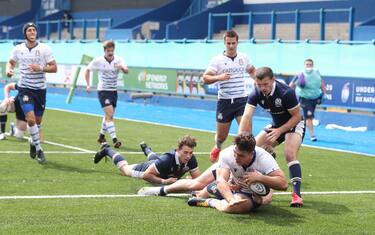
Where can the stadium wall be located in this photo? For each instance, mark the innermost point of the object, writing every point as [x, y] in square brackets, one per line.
[100, 5]
[364, 9]
[118, 16]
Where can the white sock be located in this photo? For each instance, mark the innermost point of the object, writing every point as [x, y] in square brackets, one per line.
[103, 129]
[111, 129]
[34, 134]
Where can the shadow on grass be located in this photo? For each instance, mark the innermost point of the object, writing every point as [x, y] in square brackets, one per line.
[69, 168]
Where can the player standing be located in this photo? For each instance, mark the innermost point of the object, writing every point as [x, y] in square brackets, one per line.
[109, 67]
[34, 59]
[287, 124]
[229, 70]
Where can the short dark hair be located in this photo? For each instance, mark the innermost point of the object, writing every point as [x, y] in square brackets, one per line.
[309, 60]
[245, 142]
[231, 34]
[263, 72]
[108, 44]
[187, 140]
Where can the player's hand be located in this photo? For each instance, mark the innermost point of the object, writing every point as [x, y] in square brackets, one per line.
[224, 77]
[251, 177]
[9, 100]
[272, 134]
[170, 180]
[88, 89]
[10, 73]
[35, 68]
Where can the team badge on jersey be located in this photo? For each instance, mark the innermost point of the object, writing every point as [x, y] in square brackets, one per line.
[37, 53]
[240, 61]
[278, 102]
[25, 98]
[220, 116]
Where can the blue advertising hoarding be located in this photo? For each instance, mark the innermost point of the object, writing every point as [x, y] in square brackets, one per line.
[357, 93]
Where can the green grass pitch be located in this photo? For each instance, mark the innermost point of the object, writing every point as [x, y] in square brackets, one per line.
[68, 173]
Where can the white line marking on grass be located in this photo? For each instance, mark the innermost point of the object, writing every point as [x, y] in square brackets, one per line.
[171, 195]
[68, 146]
[75, 152]
[61, 145]
[207, 131]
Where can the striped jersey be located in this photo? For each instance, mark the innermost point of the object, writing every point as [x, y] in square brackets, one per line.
[236, 67]
[40, 54]
[108, 73]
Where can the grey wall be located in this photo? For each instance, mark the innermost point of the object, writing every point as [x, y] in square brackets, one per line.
[14, 7]
[97, 5]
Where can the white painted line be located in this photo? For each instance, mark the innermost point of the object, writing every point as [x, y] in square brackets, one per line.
[74, 152]
[202, 130]
[61, 145]
[172, 195]
[68, 146]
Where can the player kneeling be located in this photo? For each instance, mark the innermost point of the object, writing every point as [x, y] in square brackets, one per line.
[252, 169]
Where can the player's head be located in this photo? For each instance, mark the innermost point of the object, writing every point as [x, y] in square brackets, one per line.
[264, 79]
[309, 65]
[109, 48]
[30, 31]
[244, 145]
[185, 148]
[231, 42]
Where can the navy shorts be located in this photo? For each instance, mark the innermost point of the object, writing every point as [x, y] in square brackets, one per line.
[300, 129]
[308, 106]
[107, 98]
[142, 167]
[32, 100]
[229, 109]
[19, 112]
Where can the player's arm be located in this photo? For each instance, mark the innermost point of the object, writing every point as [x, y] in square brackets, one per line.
[87, 78]
[8, 88]
[123, 68]
[195, 173]
[210, 77]
[11, 64]
[246, 124]
[250, 69]
[51, 67]
[152, 175]
[275, 179]
[222, 177]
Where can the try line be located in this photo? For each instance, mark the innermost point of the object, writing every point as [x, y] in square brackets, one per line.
[171, 195]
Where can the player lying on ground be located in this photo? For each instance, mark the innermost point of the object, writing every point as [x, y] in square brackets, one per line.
[21, 125]
[248, 165]
[199, 183]
[164, 169]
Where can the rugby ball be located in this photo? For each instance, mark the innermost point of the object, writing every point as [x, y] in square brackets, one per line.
[7, 107]
[259, 189]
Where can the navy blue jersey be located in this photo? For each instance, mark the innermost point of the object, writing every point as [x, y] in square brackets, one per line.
[168, 165]
[281, 98]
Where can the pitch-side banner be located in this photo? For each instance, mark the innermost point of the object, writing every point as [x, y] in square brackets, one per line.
[350, 92]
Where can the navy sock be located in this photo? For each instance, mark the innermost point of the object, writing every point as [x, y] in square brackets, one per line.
[110, 152]
[152, 156]
[162, 192]
[3, 121]
[118, 159]
[295, 174]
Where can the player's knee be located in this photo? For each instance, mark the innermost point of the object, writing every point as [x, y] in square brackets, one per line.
[290, 155]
